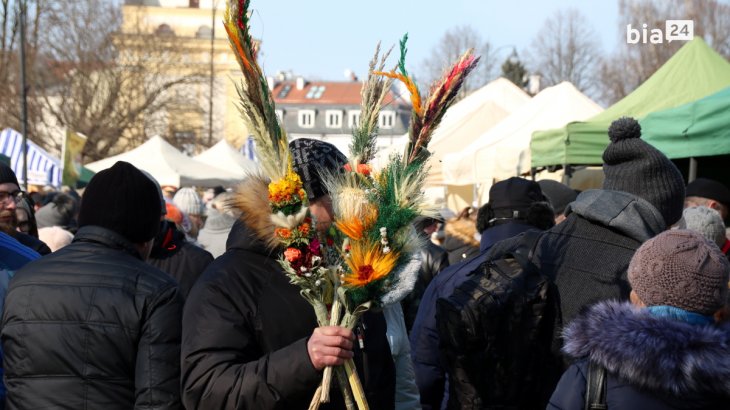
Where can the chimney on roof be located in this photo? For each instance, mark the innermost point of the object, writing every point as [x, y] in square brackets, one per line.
[194, 4]
[350, 75]
[534, 84]
[271, 82]
[300, 83]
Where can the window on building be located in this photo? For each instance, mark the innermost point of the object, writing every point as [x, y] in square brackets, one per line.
[334, 118]
[306, 118]
[353, 119]
[386, 119]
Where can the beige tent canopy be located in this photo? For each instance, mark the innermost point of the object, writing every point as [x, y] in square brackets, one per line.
[223, 155]
[469, 118]
[504, 150]
[170, 166]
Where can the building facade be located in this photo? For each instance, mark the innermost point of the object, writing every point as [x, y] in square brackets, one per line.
[330, 110]
[204, 110]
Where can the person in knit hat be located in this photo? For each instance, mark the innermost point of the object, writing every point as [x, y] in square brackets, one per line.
[588, 254]
[707, 222]
[663, 350]
[93, 319]
[10, 197]
[173, 253]
[249, 339]
[221, 217]
[189, 203]
[709, 193]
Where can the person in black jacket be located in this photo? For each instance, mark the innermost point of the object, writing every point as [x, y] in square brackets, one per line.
[10, 196]
[172, 253]
[250, 340]
[663, 350]
[587, 255]
[92, 326]
[433, 260]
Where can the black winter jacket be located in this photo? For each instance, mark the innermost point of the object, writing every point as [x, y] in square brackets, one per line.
[92, 326]
[653, 363]
[433, 260]
[245, 338]
[182, 260]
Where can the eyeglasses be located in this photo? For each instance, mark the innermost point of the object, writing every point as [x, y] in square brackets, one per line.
[17, 196]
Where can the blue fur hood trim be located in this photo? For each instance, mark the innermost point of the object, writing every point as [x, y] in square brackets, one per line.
[650, 352]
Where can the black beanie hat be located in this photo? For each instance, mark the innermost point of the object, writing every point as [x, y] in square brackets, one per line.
[631, 165]
[710, 189]
[124, 200]
[309, 157]
[7, 175]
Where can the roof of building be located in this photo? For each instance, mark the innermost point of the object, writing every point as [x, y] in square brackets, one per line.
[327, 93]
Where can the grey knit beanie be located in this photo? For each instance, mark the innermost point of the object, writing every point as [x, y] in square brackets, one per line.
[188, 201]
[680, 268]
[631, 165]
[706, 221]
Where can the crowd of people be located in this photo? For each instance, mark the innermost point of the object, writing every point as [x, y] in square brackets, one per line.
[133, 295]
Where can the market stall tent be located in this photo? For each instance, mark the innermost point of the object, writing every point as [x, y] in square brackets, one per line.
[43, 168]
[504, 150]
[170, 166]
[223, 155]
[697, 129]
[694, 72]
[469, 118]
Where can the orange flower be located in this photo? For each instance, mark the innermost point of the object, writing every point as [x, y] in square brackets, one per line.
[355, 226]
[283, 233]
[364, 169]
[304, 229]
[292, 254]
[347, 167]
[368, 264]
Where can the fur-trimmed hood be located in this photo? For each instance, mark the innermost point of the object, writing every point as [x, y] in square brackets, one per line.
[654, 353]
[252, 199]
[463, 230]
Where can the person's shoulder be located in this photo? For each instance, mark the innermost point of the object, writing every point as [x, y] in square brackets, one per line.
[236, 271]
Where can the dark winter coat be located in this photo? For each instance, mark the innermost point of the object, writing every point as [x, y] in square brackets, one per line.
[434, 259]
[245, 338]
[588, 254]
[32, 242]
[182, 260]
[424, 337]
[92, 326]
[652, 362]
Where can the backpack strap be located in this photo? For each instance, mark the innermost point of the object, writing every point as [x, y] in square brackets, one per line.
[525, 253]
[595, 387]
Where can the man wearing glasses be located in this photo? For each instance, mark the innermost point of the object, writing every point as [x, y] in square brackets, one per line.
[10, 195]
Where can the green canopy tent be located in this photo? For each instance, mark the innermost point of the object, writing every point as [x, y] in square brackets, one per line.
[697, 129]
[695, 71]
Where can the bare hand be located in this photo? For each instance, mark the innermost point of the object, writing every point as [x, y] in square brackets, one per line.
[330, 346]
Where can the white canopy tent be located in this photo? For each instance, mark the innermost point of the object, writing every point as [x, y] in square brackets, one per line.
[469, 118]
[504, 150]
[223, 155]
[170, 166]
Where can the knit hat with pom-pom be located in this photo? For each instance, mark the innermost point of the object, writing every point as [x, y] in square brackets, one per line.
[631, 165]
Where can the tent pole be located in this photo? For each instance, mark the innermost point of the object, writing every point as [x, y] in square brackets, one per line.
[566, 176]
[692, 170]
[23, 5]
